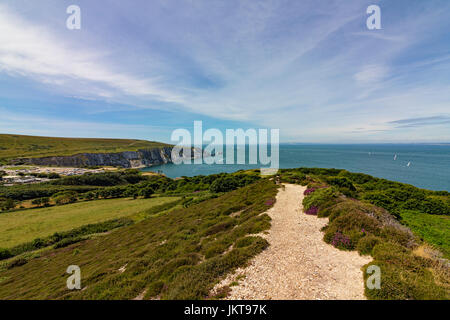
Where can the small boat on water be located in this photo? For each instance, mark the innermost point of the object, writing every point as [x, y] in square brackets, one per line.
[409, 163]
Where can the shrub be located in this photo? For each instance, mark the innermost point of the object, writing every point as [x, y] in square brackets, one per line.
[5, 254]
[293, 177]
[224, 184]
[400, 256]
[146, 192]
[348, 192]
[9, 204]
[398, 283]
[222, 226]
[309, 191]
[366, 244]
[41, 201]
[312, 210]
[246, 241]
[398, 235]
[214, 249]
[342, 241]
[341, 182]
[45, 201]
[356, 221]
[102, 179]
[67, 242]
[65, 197]
[319, 197]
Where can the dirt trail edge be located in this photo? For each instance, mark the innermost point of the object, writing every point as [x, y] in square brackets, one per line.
[298, 264]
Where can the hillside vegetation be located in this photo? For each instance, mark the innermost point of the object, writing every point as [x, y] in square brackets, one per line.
[26, 225]
[179, 255]
[409, 268]
[206, 227]
[19, 146]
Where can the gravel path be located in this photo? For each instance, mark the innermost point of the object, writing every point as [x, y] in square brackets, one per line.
[298, 264]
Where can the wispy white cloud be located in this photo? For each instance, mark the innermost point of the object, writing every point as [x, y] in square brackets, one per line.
[371, 74]
[30, 50]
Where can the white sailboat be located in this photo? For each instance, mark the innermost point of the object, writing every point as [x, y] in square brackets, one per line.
[395, 157]
[409, 163]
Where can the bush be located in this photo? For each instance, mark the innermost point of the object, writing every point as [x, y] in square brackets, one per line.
[319, 197]
[293, 177]
[146, 192]
[5, 254]
[341, 182]
[41, 201]
[246, 241]
[356, 221]
[342, 241]
[8, 204]
[215, 249]
[104, 179]
[224, 184]
[398, 235]
[38, 190]
[366, 244]
[398, 283]
[65, 197]
[67, 242]
[219, 227]
[309, 191]
[312, 210]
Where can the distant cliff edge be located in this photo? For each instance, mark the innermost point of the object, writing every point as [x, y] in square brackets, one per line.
[125, 159]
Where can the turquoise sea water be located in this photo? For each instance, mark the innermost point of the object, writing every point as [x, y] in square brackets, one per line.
[429, 164]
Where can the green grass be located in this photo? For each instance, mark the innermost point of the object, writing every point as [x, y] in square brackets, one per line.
[19, 146]
[433, 229]
[26, 225]
[163, 255]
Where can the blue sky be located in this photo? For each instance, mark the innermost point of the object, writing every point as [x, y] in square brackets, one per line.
[140, 69]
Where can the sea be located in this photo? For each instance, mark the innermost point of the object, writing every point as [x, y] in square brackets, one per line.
[422, 165]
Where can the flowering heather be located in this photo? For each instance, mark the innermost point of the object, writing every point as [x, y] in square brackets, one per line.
[309, 191]
[270, 202]
[341, 241]
[312, 211]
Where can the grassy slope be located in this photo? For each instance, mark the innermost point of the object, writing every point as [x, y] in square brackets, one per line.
[433, 229]
[178, 255]
[19, 146]
[26, 225]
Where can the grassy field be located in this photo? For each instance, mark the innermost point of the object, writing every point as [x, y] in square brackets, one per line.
[26, 225]
[433, 229]
[180, 255]
[19, 146]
